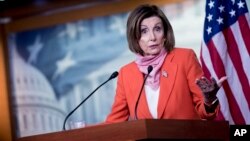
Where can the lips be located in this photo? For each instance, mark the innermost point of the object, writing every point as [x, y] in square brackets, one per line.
[153, 46]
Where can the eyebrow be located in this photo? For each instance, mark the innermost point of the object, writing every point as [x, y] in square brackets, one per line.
[155, 24]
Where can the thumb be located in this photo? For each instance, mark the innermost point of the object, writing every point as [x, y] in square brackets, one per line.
[222, 79]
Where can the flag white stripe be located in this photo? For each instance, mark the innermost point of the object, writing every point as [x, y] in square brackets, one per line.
[248, 19]
[233, 80]
[245, 58]
[207, 59]
[224, 107]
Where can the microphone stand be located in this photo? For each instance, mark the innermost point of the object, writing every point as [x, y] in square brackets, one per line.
[150, 68]
[111, 77]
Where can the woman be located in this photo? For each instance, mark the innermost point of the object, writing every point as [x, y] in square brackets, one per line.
[175, 89]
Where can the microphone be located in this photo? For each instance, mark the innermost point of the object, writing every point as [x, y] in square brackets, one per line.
[150, 68]
[114, 75]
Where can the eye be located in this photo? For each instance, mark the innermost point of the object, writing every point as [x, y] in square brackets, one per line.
[158, 28]
[143, 30]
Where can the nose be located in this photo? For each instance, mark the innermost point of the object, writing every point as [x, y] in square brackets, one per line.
[152, 36]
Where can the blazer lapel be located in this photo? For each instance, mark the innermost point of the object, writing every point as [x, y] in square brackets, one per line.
[167, 80]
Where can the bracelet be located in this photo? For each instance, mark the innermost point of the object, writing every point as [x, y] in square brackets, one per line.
[212, 102]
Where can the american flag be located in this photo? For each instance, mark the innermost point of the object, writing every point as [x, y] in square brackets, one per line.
[225, 52]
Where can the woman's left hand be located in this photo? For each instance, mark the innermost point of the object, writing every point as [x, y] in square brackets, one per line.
[210, 88]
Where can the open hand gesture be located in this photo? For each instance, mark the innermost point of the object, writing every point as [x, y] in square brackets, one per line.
[210, 88]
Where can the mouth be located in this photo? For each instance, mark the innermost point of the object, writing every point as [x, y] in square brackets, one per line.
[153, 46]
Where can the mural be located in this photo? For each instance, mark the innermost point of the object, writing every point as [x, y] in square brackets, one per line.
[54, 68]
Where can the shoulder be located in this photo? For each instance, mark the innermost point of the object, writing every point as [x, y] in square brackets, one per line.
[129, 72]
[130, 67]
[180, 55]
[182, 51]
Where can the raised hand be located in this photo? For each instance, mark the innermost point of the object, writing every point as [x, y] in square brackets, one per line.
[210, 88]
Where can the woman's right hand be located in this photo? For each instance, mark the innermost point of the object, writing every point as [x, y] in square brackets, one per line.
[210, 88]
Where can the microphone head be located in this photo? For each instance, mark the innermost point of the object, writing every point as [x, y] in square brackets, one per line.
[150, 68]
[113, 75]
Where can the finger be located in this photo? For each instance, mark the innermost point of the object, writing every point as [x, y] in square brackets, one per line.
[206, 81]
[198, 82]
[202, 80]
[222, 79]
[214, 83]
[204, 84]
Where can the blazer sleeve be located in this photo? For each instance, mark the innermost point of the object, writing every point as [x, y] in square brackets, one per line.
[119, 111]
[194, 71]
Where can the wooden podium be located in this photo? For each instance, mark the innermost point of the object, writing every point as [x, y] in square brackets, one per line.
[150, 129]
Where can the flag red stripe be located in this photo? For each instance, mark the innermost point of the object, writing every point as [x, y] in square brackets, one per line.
[245, 30]
[220, 116]
[220, 71]
[233, 106]
[234, 54]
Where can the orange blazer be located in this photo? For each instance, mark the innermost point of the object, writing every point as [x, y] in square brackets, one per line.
[180, 97]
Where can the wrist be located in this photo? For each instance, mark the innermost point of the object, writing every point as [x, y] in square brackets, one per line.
[210, 107]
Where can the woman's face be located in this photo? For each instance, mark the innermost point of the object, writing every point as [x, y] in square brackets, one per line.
[152, 35]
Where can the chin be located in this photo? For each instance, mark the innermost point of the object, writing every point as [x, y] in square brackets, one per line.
[152, 53]
[155, 52]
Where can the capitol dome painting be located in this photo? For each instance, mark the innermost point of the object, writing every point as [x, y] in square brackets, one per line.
[35, 106]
